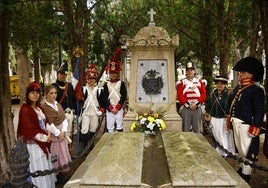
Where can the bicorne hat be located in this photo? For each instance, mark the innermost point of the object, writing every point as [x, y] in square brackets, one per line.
[221, 78]
[114, 66]
[252, 66]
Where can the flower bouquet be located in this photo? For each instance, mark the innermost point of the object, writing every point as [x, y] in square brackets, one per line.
[149, 123]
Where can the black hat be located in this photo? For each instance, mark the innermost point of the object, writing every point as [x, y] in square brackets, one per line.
[252, 66]
[221, 78]
[190, 65]
[63, 68]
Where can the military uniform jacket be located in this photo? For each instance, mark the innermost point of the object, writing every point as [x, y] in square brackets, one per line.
[69, 99]
[249, 105]
[91, 104]
[189, 91]
[218, 104]
[114, 94]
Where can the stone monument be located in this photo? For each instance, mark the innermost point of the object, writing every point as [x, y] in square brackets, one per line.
[152, 79]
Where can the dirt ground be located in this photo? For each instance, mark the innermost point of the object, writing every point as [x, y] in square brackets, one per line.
[259, 178]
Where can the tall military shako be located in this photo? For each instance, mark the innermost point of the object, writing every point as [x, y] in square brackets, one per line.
[63, 68]
[252, 66]
[61, 80]
[114, 66]
[190, 65]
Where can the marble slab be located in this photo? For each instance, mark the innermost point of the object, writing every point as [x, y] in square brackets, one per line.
[192, 162]
[117, 161]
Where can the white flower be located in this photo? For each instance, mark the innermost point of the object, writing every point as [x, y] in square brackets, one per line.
[143, 120]
[150, 126]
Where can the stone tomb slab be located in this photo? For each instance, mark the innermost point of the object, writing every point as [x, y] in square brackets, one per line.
[193, 162]
[116, 161]
[170, 159]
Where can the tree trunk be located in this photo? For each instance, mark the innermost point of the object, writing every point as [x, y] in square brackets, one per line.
[23, 70]
[36, 59]
[7, 138]
[225, 33]
[78, 32]
[207, 45]
[263, 7]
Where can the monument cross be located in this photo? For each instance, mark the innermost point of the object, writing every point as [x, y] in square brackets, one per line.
[151, 12]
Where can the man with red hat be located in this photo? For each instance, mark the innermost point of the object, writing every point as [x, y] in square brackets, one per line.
[114, 95]
[247, 112]
[91, 108]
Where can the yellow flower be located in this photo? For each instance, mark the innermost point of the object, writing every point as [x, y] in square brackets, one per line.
[148, 122]
[163, 125]
[133, 126]
[151, 119]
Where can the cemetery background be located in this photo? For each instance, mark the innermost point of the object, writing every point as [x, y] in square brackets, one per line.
[259, 181]
[137, 41]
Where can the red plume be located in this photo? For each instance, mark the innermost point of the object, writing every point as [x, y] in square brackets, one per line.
[116, 55]
[114, 64]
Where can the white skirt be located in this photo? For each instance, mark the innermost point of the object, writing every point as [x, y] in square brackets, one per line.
[39, 161]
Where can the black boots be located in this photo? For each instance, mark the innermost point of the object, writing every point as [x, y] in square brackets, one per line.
[61, 178]
[84, 139]
[91, 137]
[244, 176]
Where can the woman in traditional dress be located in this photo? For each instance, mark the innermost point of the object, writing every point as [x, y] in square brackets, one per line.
[58, 126]
[32, 131]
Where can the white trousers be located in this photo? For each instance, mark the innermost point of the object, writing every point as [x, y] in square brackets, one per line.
[112, 118]
[70, 118]
[89, 122]
[222, 136]
[242, 142]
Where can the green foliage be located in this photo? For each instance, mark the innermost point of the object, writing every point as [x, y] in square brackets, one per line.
[35, 25]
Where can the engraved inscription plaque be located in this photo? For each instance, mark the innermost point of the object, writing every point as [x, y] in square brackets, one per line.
[152, 81]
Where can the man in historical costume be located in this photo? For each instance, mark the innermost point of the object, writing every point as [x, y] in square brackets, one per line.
[91, 108]
[114, 95]
[65, 96]
[191, 94]
[247, 112]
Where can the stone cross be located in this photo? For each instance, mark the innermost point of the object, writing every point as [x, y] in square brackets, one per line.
[151, 12]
